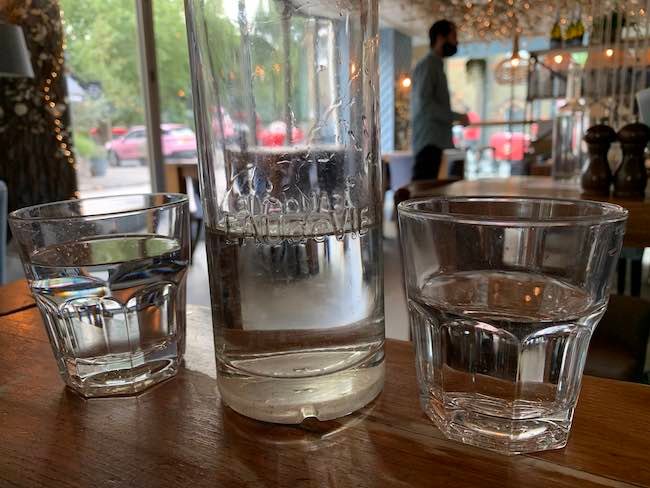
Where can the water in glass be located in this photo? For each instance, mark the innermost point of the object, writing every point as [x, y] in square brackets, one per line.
[500, 355]
[299, 323]
[114, 310]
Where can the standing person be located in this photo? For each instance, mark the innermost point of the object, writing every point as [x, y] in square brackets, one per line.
[431, 112]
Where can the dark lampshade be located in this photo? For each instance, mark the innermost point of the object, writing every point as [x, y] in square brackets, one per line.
[14, 56]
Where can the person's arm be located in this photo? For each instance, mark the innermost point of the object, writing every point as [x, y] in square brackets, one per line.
[461, 118]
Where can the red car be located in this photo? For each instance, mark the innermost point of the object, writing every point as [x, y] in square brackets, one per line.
[178, 141]
[275, 134]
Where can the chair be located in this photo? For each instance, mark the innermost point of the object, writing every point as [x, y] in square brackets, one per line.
[634, 257]
[419, 188]
[619, 343]
[3, 231]
[196, 209]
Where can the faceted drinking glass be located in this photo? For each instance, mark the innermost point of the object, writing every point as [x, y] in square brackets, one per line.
[503, 296]
[108, 276]
[286, 109]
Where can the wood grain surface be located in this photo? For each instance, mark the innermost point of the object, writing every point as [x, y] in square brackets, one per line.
[637, 232]
[14, 297]
[180, 434]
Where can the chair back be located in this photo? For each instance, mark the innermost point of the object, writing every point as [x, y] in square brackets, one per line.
[3, 231]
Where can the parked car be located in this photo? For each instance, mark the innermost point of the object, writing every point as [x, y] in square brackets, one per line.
[226, 125]
[116, 131]
[178, 141]
[275, 133]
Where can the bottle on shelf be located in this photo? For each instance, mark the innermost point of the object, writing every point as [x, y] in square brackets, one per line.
[580, 29]
[568, 127]
[556, 34]
[570, 33]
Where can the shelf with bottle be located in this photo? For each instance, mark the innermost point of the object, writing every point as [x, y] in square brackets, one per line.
[571, 36]
[611, 51]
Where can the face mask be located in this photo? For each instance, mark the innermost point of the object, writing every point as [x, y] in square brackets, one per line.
[449, 49]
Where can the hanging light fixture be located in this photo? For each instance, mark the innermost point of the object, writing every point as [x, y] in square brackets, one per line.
[515, 59]
[514, 69]
[14, 56]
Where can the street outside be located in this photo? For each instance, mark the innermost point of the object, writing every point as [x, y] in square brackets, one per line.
[129, 178]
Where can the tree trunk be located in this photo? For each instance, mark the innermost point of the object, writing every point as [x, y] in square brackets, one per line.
[36, 158]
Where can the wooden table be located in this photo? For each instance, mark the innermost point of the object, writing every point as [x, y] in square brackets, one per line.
[180, 434]
[15, 297]
[637, 232]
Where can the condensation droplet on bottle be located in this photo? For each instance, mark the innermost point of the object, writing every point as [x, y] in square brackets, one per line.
[357, 146]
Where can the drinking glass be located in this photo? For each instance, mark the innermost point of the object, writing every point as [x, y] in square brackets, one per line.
[108, 276]
[286, 109]
[503, 296]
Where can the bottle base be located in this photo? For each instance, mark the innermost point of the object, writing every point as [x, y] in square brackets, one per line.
[292, 400]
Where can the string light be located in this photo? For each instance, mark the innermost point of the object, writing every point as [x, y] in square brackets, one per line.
[49, 96]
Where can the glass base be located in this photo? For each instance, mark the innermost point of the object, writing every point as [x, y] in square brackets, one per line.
[292, 400]
[114, 381]
[497, 433]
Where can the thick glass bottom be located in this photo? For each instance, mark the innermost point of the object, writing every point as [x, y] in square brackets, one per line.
[119, 374]
[462, 419]
[292, 400]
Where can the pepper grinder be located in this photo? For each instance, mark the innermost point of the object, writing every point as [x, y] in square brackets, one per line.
[597, 176]
[631, 177]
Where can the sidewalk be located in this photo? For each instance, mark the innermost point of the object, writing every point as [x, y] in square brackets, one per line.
[118, 180]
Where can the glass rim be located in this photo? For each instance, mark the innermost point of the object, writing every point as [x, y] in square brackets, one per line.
[22, 214]
[611, 212]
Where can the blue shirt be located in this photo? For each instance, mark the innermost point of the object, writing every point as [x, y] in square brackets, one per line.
[431, 114]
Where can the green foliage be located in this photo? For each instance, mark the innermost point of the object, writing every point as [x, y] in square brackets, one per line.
[173, 61]
[90, 113]
[84, 146]
[102, 47]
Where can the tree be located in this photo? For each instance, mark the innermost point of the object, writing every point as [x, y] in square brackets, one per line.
[102, 47]
[37, 158]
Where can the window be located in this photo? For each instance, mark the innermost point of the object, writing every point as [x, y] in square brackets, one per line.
[105, 96]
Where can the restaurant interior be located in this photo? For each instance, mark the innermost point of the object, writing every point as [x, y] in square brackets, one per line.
[101, 99]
